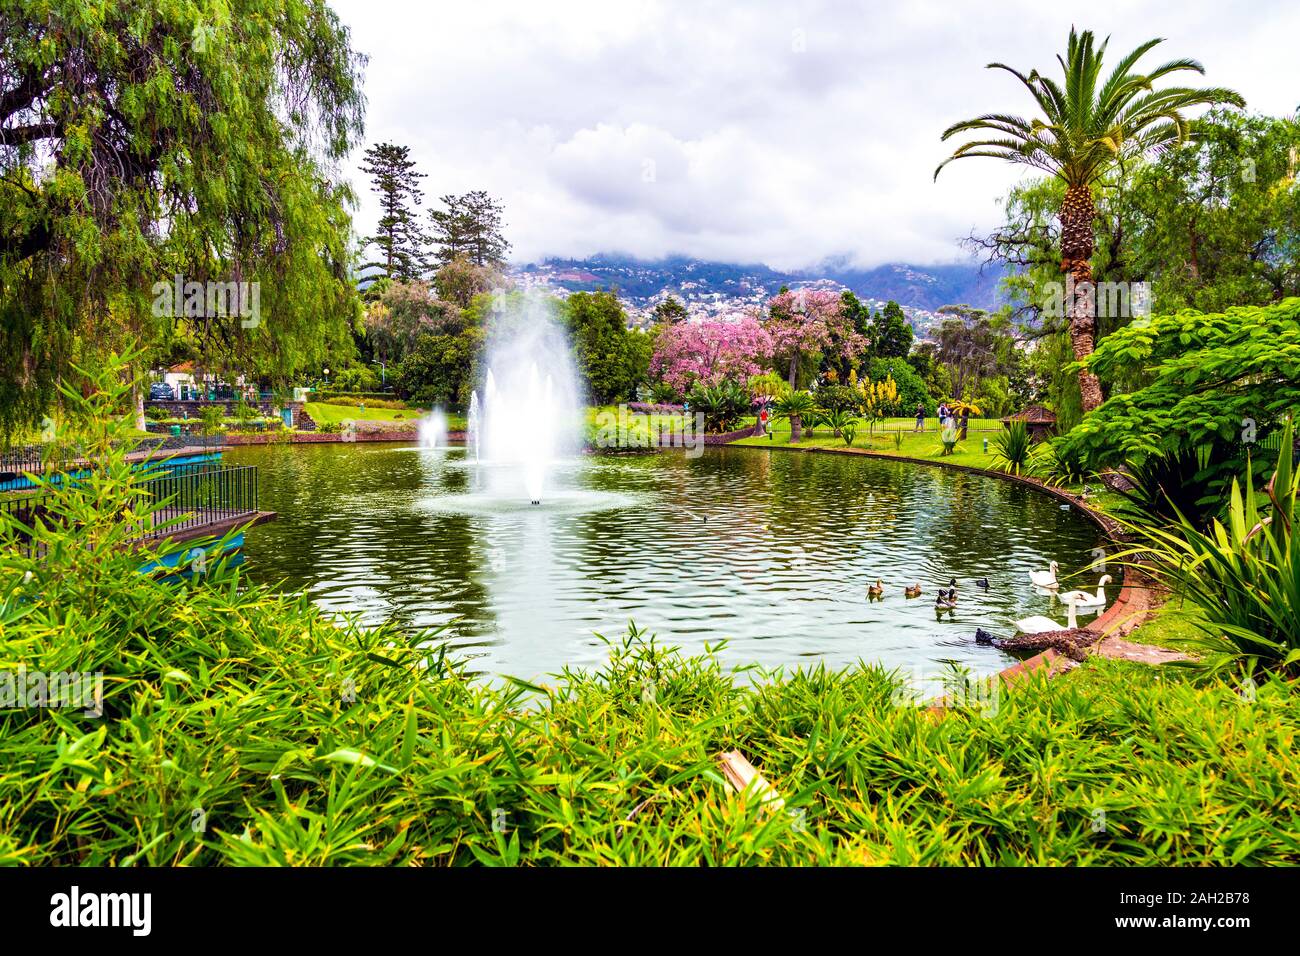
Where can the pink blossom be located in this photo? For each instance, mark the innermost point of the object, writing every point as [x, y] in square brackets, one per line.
[710, 352]
[807, 321]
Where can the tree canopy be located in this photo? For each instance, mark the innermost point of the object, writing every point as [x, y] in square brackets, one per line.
[144, 139]
[1226, 376]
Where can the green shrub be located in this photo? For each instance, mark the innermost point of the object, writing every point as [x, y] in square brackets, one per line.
[211, 416]
[1240, 575]
[1059, 462]
[1186, 483]
[723, 405]
[840, 398]
[661, 393]
[352, 401]
[843, 424]
[1012, 448]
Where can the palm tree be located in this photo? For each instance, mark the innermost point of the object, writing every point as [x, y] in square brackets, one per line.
[796, 406]
[1083, 134]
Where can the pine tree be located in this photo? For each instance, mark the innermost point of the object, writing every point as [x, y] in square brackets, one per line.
[399, 236]
[670, 311]
[891, 333]
[469, 226]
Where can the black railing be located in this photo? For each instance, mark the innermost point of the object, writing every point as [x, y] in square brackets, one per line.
[187, 498]
[20, 459]
[200, 494]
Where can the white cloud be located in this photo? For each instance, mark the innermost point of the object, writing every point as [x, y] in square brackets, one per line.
[763, 131]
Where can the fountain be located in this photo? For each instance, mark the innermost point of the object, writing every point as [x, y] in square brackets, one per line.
[472, 427]
[528, 411]
[524, 433]
[433, 429]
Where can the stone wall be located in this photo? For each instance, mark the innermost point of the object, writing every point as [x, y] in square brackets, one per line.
[175, 408]
[722, 438]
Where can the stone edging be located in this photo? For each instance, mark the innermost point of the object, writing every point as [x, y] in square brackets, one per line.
[1105, 621]
[312, 438]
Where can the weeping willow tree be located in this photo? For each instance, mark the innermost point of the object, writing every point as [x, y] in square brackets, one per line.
[142, 140]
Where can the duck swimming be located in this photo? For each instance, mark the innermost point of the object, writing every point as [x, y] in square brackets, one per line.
[876, 590]
[913, 590]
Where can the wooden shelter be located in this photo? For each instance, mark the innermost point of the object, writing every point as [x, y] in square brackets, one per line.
[1040, 421]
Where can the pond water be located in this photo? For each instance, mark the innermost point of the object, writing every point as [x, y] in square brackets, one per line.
[773, 551]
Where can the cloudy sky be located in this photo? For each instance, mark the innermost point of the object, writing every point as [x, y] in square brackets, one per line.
[776, 132]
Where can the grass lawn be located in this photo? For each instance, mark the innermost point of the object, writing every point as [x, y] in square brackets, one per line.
[914, 444]
[1170, 627]
[325, 414]
[923, 445]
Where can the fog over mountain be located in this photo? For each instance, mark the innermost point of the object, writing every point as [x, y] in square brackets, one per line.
[718, 289]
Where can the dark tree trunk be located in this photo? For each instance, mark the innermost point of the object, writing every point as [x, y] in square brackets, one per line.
[796, 428]
[1077, 240]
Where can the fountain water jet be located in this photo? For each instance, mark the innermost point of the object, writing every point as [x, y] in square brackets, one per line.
[433, 429]
[472, 426]
[528, 413]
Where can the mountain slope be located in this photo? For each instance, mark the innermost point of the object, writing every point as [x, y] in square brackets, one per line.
[642, 283]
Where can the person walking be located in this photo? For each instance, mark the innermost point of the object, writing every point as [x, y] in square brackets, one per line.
[943, 414]
[920, 417]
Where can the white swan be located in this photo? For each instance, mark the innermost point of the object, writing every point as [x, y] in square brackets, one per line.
[1038, 624]
[1045, 579]
[1086, 600]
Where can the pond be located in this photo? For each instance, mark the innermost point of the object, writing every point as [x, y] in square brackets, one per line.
[773, 551]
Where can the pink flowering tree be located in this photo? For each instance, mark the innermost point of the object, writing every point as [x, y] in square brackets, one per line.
[806, 322]
[710, 352]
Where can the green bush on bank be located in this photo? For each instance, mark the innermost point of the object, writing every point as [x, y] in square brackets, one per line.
[242, 726]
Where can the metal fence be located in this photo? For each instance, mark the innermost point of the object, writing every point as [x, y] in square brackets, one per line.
[184, 498]
[21, 458]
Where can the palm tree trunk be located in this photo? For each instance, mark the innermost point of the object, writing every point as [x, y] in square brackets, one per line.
[1077, 242]
[796, 428]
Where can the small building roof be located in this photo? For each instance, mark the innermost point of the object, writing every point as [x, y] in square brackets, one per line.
[1033, 415]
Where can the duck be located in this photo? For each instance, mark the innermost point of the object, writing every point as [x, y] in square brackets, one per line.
[942, 602]
[982, 583]
[952, 583]
[913, 590]
[1071, 641]
[1084, 599]
[1045, 579]
[952, 595]
[876, 590]
[1038, 624]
